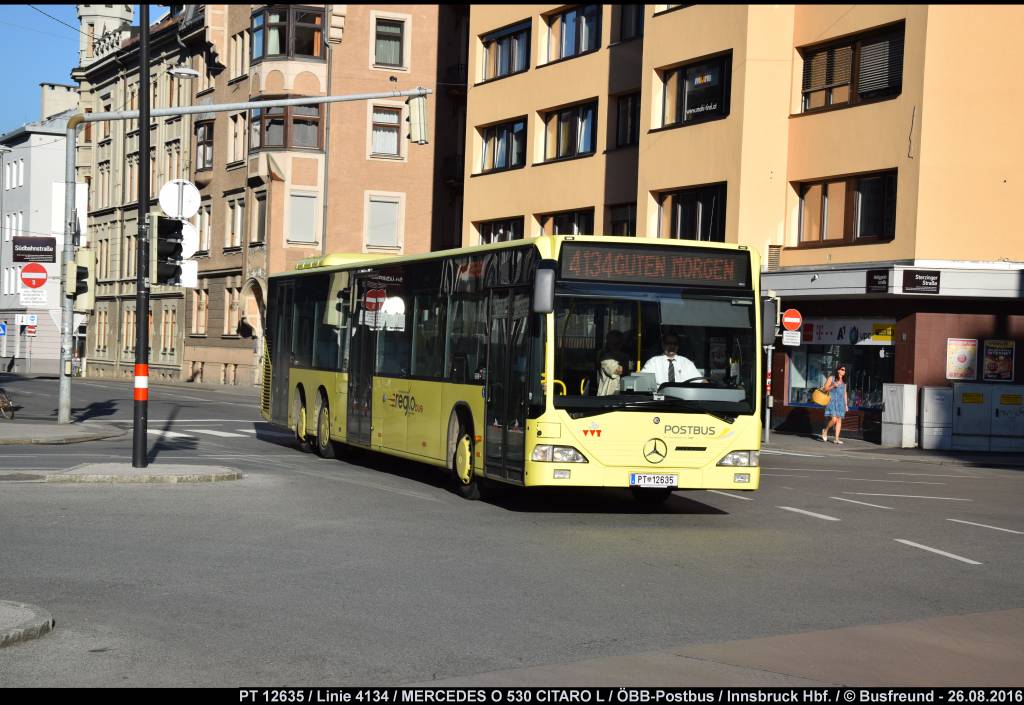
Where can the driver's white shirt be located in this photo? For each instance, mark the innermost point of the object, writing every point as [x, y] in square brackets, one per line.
[685, 370]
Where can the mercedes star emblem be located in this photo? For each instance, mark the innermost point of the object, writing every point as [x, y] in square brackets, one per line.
[655, 450]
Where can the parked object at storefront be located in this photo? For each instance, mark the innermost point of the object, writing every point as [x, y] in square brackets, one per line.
[988, 417]
[936, 418]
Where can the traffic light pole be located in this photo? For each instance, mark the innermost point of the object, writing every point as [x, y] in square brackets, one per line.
[142, 290]
[140, 452]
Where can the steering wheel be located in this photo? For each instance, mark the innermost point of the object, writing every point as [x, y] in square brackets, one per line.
[697, 379]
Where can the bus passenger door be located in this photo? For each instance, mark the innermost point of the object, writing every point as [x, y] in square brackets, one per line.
[281, 351]
[362, 354]
[508, 362]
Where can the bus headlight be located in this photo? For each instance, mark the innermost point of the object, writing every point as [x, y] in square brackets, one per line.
[557, 454]
[741, 459]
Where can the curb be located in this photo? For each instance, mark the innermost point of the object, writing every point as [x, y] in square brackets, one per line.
[35, 624]
[870, 454]
[139, 479]
[93, 436]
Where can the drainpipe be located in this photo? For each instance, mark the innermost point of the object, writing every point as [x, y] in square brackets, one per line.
[327, 146]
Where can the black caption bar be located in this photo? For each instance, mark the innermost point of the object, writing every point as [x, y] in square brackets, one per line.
[629, 696]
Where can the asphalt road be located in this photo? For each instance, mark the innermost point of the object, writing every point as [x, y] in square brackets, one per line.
[370, 570]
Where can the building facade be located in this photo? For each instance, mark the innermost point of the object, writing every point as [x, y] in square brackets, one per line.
[277, 185]
[831, 138]
[32, 233]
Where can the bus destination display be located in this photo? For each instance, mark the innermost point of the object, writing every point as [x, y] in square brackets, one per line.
[650, 265]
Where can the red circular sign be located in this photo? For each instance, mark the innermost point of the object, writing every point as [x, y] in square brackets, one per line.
[33, 275]
[374, 299]
[791, 319]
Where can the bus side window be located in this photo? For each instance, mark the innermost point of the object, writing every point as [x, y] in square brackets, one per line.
[428, 336]
[466, 339]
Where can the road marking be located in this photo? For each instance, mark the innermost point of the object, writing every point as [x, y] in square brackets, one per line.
[736, 496]
[787, 452]
[247, 430]
[928, 474]
[168, 434]
[775, 474]
[866, 504]
[935, 550]
[906, 482]
[809, 469]
[908, 496]
[219, 434]
[370, 485]
[826, 517]
[1009, 531]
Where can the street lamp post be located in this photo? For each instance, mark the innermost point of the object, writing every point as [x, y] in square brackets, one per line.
[141, 391]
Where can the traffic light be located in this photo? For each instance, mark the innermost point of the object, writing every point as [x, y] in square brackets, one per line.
[417, 118]
[171, 243]
[81, 280]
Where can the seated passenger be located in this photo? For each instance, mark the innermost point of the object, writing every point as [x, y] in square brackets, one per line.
[613, 361]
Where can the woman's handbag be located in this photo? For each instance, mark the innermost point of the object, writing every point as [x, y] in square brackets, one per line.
[820, 397]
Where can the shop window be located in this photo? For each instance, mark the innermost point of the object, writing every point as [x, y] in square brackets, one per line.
[850, 210]
[868, 365]
[696, 92]
[865, 68]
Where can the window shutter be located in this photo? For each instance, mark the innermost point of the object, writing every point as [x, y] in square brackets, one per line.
[814, 70]
[881, 64]
[302, 223]
[841, 63]
[382, 230]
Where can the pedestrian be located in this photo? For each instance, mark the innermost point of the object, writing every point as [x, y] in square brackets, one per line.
[838, 403]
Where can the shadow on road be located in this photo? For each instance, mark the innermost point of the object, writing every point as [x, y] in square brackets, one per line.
[164, 443]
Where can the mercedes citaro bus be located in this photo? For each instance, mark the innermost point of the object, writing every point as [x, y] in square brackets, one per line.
[492, 362]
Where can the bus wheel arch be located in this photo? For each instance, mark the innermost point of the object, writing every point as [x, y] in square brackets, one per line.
[324, 444]
[461, 450]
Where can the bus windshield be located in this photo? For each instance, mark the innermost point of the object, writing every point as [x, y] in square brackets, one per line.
[667, 348]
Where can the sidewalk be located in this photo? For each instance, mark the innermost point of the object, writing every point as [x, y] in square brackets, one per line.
[854, 448]
[50, 432]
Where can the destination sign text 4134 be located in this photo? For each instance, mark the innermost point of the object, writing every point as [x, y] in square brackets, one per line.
[654, 265]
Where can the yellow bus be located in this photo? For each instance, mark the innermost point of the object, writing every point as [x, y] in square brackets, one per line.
[546, 362]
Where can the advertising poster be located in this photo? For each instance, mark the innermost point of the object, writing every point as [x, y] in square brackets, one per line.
[962, 359]
[997, 365]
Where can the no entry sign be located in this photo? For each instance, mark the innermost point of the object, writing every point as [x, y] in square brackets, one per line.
[791, 319]
[33, 275]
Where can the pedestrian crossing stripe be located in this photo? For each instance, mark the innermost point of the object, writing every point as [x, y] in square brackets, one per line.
[219, 434]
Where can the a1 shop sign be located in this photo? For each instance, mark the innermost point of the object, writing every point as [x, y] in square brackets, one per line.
[33, 275]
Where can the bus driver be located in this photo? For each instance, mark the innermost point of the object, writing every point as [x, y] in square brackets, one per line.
[671, 367]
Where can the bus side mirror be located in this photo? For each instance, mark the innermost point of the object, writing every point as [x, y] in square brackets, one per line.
[544, 287]
[769, 320]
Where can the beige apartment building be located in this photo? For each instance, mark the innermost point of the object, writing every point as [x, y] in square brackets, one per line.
[859, 148]
[280, 184]
[108, 161]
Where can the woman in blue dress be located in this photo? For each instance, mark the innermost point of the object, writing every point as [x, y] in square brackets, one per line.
[837, 403]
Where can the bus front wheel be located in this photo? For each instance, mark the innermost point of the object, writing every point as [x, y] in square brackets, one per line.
[299, 414]
[324, 445]
[652, 496]
[465, 479]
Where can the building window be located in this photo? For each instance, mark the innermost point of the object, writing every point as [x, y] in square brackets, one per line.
[259, 224]
[389, 47]
[204, 226]
[506, 51]
[302, 217]
[238, 59]
[383, 223]
[570, 132]
[504, 146]
[385, 137]
[694, 213]
[574, 32]
[500, 230]
[627, 125]
[623, 219]
[696, 92]
[631, 21]
[849, 210]
[204, 145]
[287, 32]
[236, 147]
[579, 222]
[288, 127]
[864, 68]
[21, 172]
[200, 309]
[232, 296]
[234, 222]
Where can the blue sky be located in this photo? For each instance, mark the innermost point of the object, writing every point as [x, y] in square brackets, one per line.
[35, 49]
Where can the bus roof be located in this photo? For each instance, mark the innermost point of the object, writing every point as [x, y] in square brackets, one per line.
[547, 244]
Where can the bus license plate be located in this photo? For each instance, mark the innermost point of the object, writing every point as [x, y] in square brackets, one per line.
[637, 479]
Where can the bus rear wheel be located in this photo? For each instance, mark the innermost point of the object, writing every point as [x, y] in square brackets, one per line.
[299, 414]
[651, 496]
[324, 444]
[466, 481]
